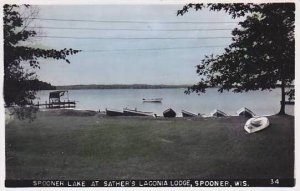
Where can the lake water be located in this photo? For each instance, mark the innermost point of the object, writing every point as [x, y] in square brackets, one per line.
[260, 102]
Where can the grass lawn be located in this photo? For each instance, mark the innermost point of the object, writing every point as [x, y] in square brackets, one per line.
[98, 147]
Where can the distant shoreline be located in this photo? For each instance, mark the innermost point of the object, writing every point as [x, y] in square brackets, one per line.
[128, 86]
[119, 86]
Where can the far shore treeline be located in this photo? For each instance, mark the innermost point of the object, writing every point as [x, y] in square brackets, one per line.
[39, 85]
[119, 86]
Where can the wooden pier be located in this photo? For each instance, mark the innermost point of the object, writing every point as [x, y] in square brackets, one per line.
[55, 105]
[55, 101]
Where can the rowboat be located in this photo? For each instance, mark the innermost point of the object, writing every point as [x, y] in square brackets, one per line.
[188, 114]
[113, 112]
[256, 124]
[155, 100]
[131, 112]
[169, 113]
[245, 112]
[218, 113]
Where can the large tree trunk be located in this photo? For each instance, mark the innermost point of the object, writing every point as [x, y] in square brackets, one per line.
[282, 108]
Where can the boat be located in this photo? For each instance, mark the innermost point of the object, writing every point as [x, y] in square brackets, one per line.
[113, 112]
[155, 100]
[218, 113]
[256, 124]
[135, 112]
[188, 114]
[169, 113]
[245, 112]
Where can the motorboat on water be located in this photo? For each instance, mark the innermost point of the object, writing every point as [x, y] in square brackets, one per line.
[154, 100]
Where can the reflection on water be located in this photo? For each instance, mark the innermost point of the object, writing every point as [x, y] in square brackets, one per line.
[260, 102]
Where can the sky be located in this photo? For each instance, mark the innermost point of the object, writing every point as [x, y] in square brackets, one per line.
[136, 60]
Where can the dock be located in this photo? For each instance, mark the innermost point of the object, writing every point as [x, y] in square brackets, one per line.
[55, 105]
[55, 101]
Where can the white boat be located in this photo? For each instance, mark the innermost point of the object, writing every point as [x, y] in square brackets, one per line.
[245, 112]
[218, 113]
[256, 124]
[155, 100]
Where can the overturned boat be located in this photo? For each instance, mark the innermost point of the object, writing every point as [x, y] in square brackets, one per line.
[218, 113]
[135, 112]
[169, 113]
[256, 124]
[188, 114]
[245, 112]
[155, 100]
[113, 112]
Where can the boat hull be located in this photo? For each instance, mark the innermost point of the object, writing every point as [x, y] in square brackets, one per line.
[128, 112]
[188, 114]
[245, 112]
[260, 124]
[169, 113]
[114, 113]
[218, 113]
[157, 100]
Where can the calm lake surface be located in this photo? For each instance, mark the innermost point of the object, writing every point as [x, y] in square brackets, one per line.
[260, 102]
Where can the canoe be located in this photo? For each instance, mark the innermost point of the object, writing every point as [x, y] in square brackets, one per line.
[188, 114]
[155, 100]
[131, 112]
[245, 112]
[218, 113]
[113, 112]
[256, 124]
[169, 113]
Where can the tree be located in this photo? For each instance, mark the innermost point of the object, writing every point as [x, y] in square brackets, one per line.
[261, 55]
[39, 85]
[17, 90]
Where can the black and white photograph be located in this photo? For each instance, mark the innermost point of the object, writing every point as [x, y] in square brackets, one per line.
[182, 94]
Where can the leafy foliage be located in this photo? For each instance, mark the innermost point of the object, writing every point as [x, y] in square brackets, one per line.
[38, 85]
[16, 93]
[262, 52]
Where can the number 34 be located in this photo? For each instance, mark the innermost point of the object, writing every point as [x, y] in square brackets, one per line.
[274, 181]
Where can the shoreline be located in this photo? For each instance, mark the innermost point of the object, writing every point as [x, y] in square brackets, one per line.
[261, 103]
[158, 116]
